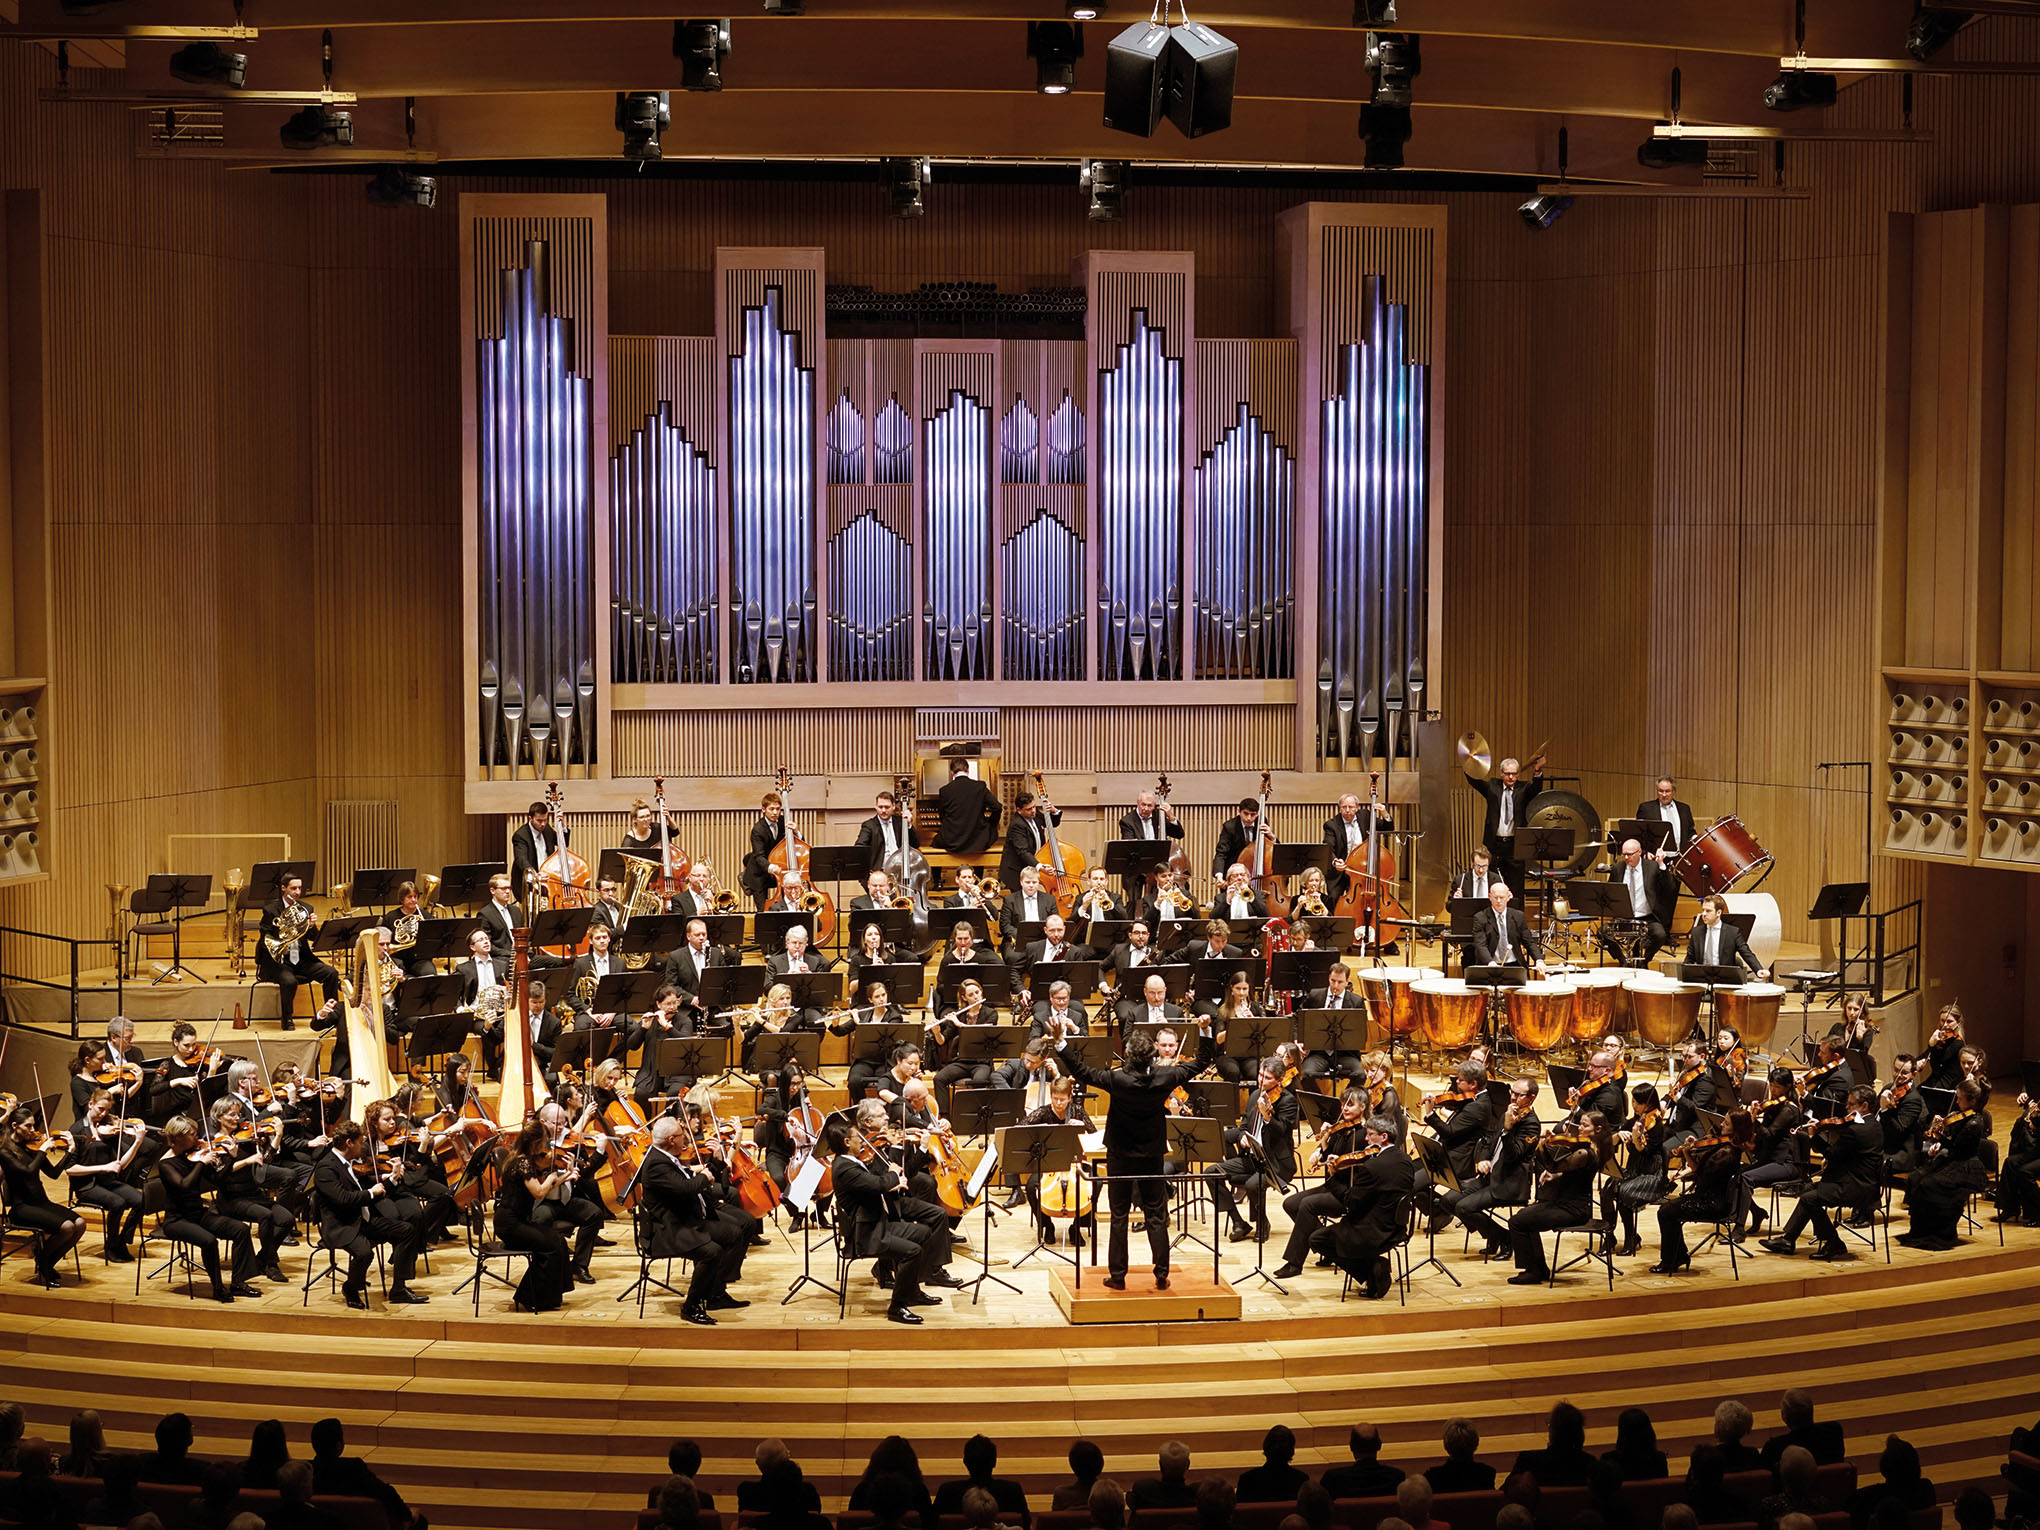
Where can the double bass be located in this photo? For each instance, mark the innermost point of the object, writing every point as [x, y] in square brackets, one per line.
[1062, 864]
[1268, 885]
[1370, 900]
[1179, 858]
[790, 856]
[562, 879]
[674, 865]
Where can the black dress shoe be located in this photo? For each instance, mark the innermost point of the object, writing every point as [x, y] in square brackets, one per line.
[726, 1303]
[602, 1242]
[289, 1024]
[1161, 1280]
[759, 1240]
[918, 1299]
[1528, 1278]
[119, 1254]
[273, 1271]
[289, 1240]
[1044, 1233]
[696, 1313]
[355, 1297]
[899, 1314]
[1662, 1268]
[1631, 1247]
[1833, 1253]
[1115, 1282]
[944, 1279]
[1288, 1271]
[404, 1296]
[1240, 1233]
[221, 1294]
[242, 1288]
[1777, 1246]
[583, 1276]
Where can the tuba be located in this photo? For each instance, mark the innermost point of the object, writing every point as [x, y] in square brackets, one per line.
[116, 931]
[237, 955]
[638, 898]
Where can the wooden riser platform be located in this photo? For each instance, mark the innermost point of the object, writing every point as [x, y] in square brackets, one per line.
[1193, 1296]
[508, 1421]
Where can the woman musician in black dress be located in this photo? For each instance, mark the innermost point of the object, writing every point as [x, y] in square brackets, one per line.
[25, 1162]
[1777, 1151]
[971, 1008]
[532, 1176]
[105, 1169]
[1708, 1168]
[1950, 1170]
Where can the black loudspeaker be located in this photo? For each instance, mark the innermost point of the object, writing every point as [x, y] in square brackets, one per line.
[1200, 65]
[1134, 78]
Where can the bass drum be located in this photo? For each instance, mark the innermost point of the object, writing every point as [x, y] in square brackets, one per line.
[1768, 933]
[1569, 810]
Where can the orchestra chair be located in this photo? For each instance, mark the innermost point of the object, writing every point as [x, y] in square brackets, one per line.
[183, 1258]
[1599, 1233]
[485, 1251]
[141, 927]
[1718, 1232]
[1398, 1253]
[30, 1238]
[331, 1273]
[641, 1238]
[839, 1230]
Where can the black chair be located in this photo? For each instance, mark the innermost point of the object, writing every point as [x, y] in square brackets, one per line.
[32, 1237]
[1600, 1235]
[845, 1259]
[485, 1251]
[313, 1274]
[183, 1258]
[645, 1284]
[143, 923]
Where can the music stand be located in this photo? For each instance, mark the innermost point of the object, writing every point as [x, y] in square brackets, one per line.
[558, 927]
[433, 1036]
[1028, 931]
[1332, 1031]
[1216, 1098]
[1550, 846]
[771, 1049]
[690, 1058]
[435, 995]
[626, 993]
[1301, 971]
[801, 1185]
[1431, 1152]
[1497, 977]
[978, 1189]
[1257, 1036]
[874, 1041]
[593, 1046]
[1177, 976]
[1320, 1108]
[1293, 858]
[443, 940]
[650, 935]
[1035, 1152]
[1214, 974]
[173, 892]
[1104, 934]
[1841, 902]
[724, 989]
[1081, 976]
[341, 934]
[942, 923]
[1564, 1081]
[468, 884]
[1651, 833]
[1132, 860]
[378, 889]
[904, 981]
[1194, 1141]
[977, 1113]
[769, 927]
[988, 1044]
[723, 929]
[814, 990]
[1331, 932]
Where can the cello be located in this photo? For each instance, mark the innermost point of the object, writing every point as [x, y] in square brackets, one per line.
[1268, 885]
[1370, 900]
[1062, 864]
[562, 879]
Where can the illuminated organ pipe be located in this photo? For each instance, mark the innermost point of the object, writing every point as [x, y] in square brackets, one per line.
[957, 460]
[772, 501]
[892, 442]
[1043, 568]
[870, 585]
[1019, 445]
[1374, 531]
[1140, 406]
[1065, 455]
[1246, 491]
[662, 505]
[534, 553]
[843, 440]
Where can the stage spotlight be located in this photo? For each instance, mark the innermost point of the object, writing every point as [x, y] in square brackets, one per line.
[1671, 153]
[1199, 65]
[1930, 31]
[1055, 47]
[318, 127]
[393, 186]
[701, 46]
[904, 179]
[1542, 212]
[1384, 130]
[1105, 179]
[1394, 59]
[207, 63]
[1083, 10]
[1796, 89]
[641, 116]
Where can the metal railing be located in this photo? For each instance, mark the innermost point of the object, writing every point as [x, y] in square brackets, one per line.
[8, 976]
[1884, 947]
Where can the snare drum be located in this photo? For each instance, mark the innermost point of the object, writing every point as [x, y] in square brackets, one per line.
[1723, 856]
[1540, 1014]
[1753, 1010]
[1666, 1012]
[1448, 1012]
[1593, 1010]
[1388, 991]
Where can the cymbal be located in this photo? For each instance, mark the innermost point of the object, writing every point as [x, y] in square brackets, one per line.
[1476, 758]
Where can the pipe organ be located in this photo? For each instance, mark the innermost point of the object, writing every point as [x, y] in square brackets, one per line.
[1190, 521]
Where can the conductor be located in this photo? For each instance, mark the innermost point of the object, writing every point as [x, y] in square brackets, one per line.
[1135, 1142]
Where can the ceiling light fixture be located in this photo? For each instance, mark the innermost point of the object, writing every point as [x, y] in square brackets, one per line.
[642, 116]
[207, 63]
[1083, 10]
[1393, 61]
[701, 46]
[1055, 47]
[1930, 31]
[394, 186]
[318, 127]
[904, 177]
[1105, 179]
[1656, 153]
[1543, 210]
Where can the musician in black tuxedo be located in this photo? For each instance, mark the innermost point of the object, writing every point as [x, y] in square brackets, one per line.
[683, 1199]
[299, 963]
[1261, 1151]
[1026, 836]
[887, 832]
[968, 811]
[1128, 960]
[355, 1215]
[597, 962]
[1096, 901]
[796, 957]
[535, 839]
[910, 1237]
[1715, 942]
[1501, 1169]
[1236, 839]
[1852, 1164]
[1502, 937]
[1652, 894]
[686, 962]
[1148, 818]
[1336, 994]
[1237, 899]
[1026, 903]
[1508, 809]
[1479, 876]
[1059, 1005]
[1665, 807]
[1135, 1141]
[1055, 945]
[407, 908]
[1152, 1006]
[605, 909]
[1345, 832]
[766, 833]
[1359, 1241]
[698, 896]
[1215, 946]
[501, 915]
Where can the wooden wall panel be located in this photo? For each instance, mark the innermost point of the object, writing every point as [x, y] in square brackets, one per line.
[2020, 635]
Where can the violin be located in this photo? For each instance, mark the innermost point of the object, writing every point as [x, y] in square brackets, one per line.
[1451, 1096]
[1324, 1143]
[1347, 1160]
[124, 1075]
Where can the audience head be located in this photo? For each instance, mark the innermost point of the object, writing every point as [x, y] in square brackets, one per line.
[1796, 1408]
[1215, 1500]
[1108, 1504]
[1293, 1522]
[246, 1520]
[1731, 1421]
[1899, 1463]
[1278, 1445]
[1364, 1440]
[980, 1455]
[329, 1437]
[267, 1444]
[1461, 1439]
[1413, 1498]
[1974, 1510]
[12, 1422]
[1706, 1469]
[1514, 1516]
[294, 1482]
[1798, 1522]
[769, 1451]
[119, 1477]
[173, 1435]
[890, 1497]
[980, 1509]
[1679, 1516]
[1890, 1514]
[1086, 1460]
[88, 1436]
[1174, 1459]
[220, 1485]
[895, 1457]
[683, 1459]
[1567, 1429]
[1634, 1432]
[679, 1503]
[1314, 1506]
[1797, 1469]
[1521, 1487]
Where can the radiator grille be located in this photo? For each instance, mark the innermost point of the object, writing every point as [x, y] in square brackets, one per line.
[956, 725]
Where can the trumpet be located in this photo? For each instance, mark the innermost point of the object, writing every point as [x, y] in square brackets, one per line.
[1308, 906]
[813, 902]
[989, 891]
